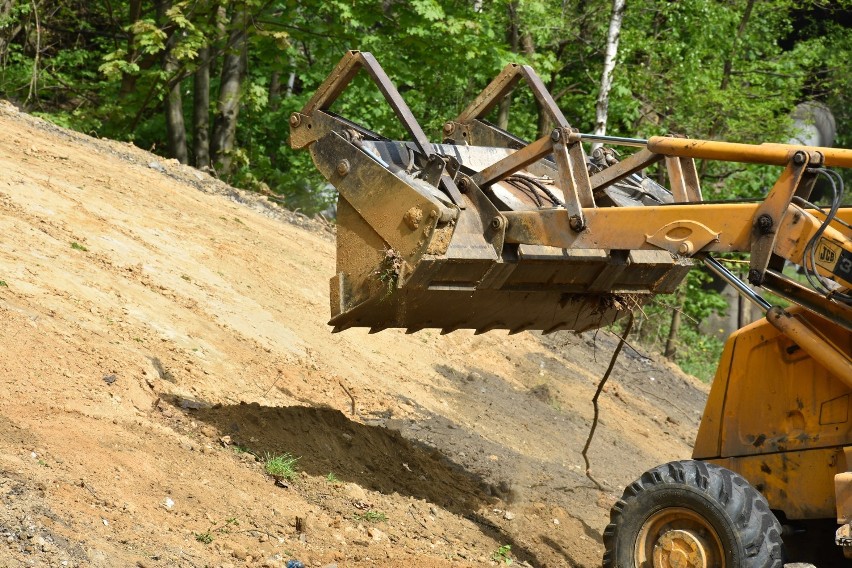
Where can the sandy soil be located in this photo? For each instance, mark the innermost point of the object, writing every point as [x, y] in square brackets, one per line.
[162, 333]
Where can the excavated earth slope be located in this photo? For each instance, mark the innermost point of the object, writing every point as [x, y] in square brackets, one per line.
[162, 333]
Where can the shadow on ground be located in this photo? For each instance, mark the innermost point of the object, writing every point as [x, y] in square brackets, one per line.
[373, 457]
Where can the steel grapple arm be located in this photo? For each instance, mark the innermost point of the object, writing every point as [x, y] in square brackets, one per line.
[487, 231]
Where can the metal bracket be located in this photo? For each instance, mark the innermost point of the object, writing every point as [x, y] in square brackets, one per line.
[768, 216]
[683, 238]
[340, 78]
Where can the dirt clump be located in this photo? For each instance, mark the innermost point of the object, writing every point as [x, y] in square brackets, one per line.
[163, 334]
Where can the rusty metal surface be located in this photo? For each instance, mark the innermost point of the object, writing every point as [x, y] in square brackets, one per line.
[799, 483]
[775, 410]
[632, 164]
[514, 162]
[769, 214]
[491, 232]
[505, 82]
[343, 74]
[834, 358]
[684, 179]
[835, 312]
[631, 227]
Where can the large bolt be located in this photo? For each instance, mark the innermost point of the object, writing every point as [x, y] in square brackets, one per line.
[576, 223]
[799, 158]
[764, 224]
[497, 223]
[295, 120]
[556, 135]
[343, 167]
[755, 277]
[463, 185]
[449, 128]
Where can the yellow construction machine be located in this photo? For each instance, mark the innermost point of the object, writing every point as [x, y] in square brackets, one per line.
[487, 231]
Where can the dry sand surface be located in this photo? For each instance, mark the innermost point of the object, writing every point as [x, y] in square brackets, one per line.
[162, 333]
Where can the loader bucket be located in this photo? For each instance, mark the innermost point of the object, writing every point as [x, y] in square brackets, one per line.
[434, 235]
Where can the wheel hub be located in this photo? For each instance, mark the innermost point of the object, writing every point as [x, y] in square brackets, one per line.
[680, 549]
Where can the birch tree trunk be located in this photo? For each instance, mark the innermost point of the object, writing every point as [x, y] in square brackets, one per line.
[612, 37]
[228, 105]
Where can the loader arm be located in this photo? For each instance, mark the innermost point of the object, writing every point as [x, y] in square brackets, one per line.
[487, 231]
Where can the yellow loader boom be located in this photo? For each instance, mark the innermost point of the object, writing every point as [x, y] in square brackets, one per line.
[487, 231]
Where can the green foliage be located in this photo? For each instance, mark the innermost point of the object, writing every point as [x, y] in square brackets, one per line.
[331, 478]
[371, 516]
[204, 538]
[282, 466]
[695, 351]
[503, 554]
[700, 68]
[78, 246]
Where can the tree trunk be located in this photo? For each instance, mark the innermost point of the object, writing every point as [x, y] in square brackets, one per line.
[275, 91]
[201, 111]
[228, 105]
[128, 81]
[513, 37]
[175, 127]
[173, 104]
[669, 353]
[612, 37]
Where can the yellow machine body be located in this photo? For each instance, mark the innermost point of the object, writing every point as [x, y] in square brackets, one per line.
[777, 417]
[486, 231]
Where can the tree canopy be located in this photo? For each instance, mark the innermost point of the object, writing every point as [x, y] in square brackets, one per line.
[213, 82]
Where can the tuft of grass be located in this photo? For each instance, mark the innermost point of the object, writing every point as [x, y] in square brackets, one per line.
[372, 516]
[185, 277]
[77, 246]
[331, 478]
[281, 467]
[3, 284]
[503, 554]
[204, 537]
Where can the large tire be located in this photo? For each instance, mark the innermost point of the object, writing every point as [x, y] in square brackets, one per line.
[691, 514]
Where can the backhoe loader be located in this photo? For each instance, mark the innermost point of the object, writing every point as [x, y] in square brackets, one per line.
[485, 231]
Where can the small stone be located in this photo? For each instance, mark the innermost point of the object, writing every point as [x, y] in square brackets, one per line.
[109, 379]
[556, 522]
[375, 534]
[508, 515]
[355, 491]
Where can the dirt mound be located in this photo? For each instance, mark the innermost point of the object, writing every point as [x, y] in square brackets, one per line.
[163, 333]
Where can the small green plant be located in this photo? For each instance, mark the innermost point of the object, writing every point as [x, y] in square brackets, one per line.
[503, 554]
[77, 246]
[185, 277]
[204, 537]
[372, 516]
[3, 284]
[331, 478]
[389, 270]
[281, 467]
